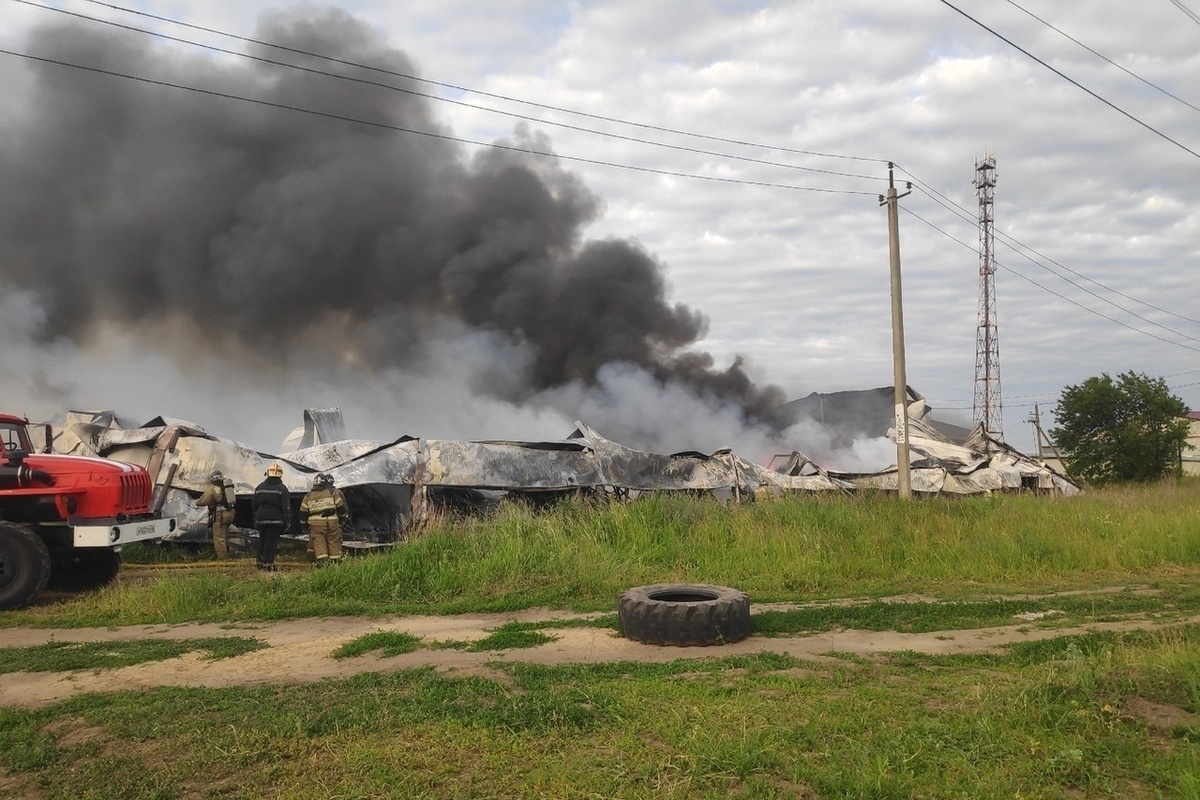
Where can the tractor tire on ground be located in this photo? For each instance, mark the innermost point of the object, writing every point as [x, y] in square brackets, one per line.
[85, 568]
[24, 565]
[684, 614]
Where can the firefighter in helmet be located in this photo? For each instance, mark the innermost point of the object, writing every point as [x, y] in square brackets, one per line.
[325, 519]
[272, 515]
[218, 497]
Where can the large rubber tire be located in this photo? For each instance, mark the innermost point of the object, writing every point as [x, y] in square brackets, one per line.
[24, 565]
[84, 568]
[684, 614]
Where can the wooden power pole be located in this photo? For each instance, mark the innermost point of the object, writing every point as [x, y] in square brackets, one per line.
[903, 473]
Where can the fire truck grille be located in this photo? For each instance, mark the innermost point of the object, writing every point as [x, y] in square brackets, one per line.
[135, 491]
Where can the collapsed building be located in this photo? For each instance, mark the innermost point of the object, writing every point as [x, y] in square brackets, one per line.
[393, 486]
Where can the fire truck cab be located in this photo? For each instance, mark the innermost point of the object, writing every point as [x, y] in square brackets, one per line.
[64, 519]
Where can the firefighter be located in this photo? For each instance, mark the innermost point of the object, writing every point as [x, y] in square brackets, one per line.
[220, 512]
[272, 515]
[325, 519]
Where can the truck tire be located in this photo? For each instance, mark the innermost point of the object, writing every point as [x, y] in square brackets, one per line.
[684, 614]
[24, 565]
[84, 568]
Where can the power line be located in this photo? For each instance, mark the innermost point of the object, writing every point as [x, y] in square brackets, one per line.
[405, 90]
[1129, 72]
[430, 134]
[1051, 291]
[553, 155]
[1072, 81]
[1033, 261]
[470, 90]
[1018, 246]
[1190, 14]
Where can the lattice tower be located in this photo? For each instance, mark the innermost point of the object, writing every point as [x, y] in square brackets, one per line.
[987, 408]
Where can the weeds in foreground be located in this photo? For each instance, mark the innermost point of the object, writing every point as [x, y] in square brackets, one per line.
[1067, 716]
[800, 548]
[63, 656]
[1102, 714]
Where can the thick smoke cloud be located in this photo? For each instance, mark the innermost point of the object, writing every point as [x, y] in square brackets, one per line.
[278, 241]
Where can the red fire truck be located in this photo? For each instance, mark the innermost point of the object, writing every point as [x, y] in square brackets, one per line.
[64, 519]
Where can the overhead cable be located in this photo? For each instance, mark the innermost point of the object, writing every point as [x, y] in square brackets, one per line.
[480, 92]
[1103, 57]
[1051, 291]
[1190, 14]
[1017, 246]
[1072, 81]
[409, 91]
[586, 130]
[430, 134]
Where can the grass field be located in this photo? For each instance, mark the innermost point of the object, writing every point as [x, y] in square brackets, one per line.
[1099, 714]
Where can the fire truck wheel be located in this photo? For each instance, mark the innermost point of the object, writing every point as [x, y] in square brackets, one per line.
[84, 568]
[684, 614]
[24, 565]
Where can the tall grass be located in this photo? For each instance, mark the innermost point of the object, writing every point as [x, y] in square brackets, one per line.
[579, 556]
[1104, 714]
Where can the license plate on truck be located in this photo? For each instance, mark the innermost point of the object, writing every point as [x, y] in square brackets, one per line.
[119, 533]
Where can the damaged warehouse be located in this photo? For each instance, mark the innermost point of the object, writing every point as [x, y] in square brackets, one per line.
[392, 487]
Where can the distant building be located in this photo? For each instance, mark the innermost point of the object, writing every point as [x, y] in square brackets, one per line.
[1048, 454]
[1190, 457]
[864, 413]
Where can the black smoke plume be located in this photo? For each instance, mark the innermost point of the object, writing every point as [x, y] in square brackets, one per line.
[284, 238]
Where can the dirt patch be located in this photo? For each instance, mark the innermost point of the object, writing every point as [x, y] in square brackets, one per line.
[18, 786]
[68, 732]
[1162, 716]
[300, 651]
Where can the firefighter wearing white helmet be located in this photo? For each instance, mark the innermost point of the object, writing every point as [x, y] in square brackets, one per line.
[219, 499]
[325, 519]
[272, 515]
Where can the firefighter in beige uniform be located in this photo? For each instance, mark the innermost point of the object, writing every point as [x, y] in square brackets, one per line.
[219, 499]
[325, 517]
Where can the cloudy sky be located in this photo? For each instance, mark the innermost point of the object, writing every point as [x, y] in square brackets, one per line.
[718, 162]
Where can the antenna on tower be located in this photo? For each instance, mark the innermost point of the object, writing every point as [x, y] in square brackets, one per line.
[987, 410]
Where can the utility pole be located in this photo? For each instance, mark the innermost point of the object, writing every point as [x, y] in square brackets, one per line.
[1035, 419]
[903, 471]
[1044, 446]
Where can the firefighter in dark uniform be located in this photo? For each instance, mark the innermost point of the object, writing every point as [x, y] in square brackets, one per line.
[325, 519]
[220, 513]
[272, 515]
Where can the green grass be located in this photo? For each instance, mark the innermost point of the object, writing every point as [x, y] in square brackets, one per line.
[387, 643]
[61, 656]
[511, 636]
[923, 617]
[801, 548]
[1056, 719]
[1105, 714]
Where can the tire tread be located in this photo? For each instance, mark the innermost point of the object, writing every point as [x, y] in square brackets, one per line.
[712, 615]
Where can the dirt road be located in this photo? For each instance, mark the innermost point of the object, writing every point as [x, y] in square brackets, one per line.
[301, 650]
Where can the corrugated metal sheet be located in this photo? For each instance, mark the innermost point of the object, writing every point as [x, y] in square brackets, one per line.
[385, 480]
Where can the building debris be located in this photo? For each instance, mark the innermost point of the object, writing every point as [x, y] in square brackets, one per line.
[393, 486]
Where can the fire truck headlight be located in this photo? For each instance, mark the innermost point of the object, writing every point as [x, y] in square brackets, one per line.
[72, 505]
[114, 534]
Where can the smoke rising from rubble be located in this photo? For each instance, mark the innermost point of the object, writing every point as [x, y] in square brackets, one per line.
[318, 261]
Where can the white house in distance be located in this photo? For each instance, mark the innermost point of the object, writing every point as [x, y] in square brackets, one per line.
[1191, 453]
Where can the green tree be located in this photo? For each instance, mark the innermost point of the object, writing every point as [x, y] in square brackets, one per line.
[1118, 431]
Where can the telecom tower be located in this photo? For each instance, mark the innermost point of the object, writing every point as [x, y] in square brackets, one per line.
[987, 410]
